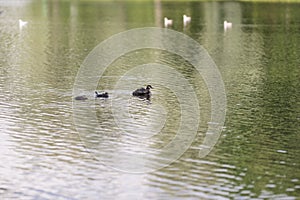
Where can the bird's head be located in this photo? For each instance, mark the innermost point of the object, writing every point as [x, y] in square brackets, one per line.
[149, 86]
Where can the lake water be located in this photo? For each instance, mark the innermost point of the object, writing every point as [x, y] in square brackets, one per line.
[54, 147]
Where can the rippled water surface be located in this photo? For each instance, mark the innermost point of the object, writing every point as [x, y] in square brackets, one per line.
[53, 147]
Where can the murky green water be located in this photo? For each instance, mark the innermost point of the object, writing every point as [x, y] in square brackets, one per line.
[43, 155]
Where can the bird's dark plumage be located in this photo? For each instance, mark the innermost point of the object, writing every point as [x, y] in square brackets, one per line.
[101, 95]
[83, 97]
[142, 91]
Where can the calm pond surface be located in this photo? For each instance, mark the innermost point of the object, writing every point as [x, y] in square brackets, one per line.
[44, 155]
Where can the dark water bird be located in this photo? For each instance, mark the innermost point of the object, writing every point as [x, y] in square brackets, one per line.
[142, 91]
[145, 97]
[101, 95]
[83, 97]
